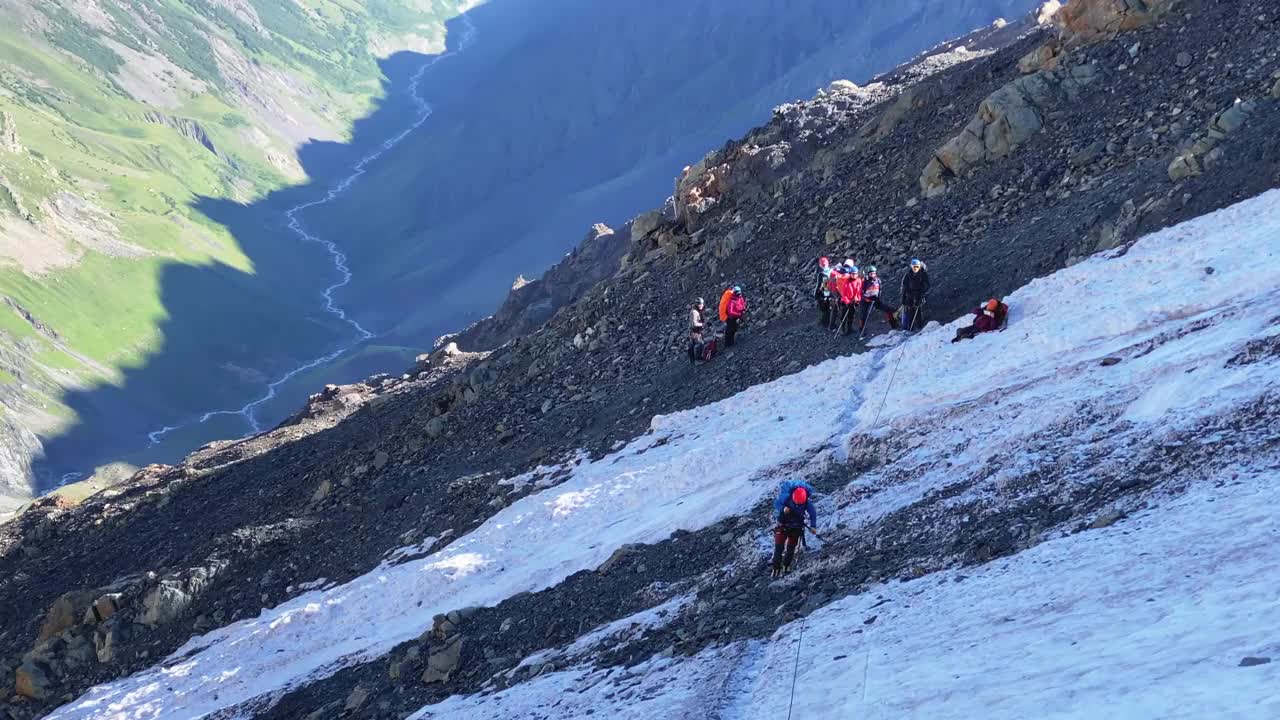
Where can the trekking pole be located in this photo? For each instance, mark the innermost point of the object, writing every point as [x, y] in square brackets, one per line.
[841, 325]
[815, 534]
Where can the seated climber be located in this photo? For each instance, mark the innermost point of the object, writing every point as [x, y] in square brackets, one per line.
[991, 315]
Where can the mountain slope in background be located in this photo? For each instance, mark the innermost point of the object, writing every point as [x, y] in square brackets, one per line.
[115, 117]
[562, 114]
[588, 117]
[191, 111]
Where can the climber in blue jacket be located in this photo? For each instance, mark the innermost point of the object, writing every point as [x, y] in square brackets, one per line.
[791, 507]
[785, 491]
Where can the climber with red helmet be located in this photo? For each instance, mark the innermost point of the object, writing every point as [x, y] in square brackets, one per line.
[822, 293]
[791, 507]
[989, 316]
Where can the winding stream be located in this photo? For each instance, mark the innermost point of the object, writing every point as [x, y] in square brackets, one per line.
[294, 215]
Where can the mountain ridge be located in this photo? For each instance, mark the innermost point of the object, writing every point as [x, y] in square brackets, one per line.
[328, 506]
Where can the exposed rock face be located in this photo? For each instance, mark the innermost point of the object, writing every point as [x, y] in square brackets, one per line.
[1206, 150]
[18, 445]
[9, 134]
[31, 681]
[533, 302]
[186, 127]
[1086, 21]
[1005, 120]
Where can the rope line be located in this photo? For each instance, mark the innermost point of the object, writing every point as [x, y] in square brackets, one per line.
[796, 669]
[894, 374]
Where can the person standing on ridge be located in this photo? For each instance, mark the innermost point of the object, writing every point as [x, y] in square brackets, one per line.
[871, 298]
[734, 312]
[791, 508]
[822, 294]
[697, 323]
[915, 289]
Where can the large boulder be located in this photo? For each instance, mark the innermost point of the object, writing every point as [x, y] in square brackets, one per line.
[31, 681]
[645, 224]
[66, 612]
[443, 660]
[1006, 119]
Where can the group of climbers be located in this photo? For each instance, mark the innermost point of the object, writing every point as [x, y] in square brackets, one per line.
[846, 295]
[732, 312]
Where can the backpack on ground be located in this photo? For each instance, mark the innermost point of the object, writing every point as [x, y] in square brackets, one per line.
[708, 349]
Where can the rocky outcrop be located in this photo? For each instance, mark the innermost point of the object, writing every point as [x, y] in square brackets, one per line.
[532, 302]
[35, 323]
[1008, 118]
[1087, 21]
[747, 171]
[18, 445]
[1205, 151]
[9, 134]
[186, 127]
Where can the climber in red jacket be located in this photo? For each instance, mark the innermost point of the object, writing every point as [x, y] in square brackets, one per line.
[734, 313]
[849, 288]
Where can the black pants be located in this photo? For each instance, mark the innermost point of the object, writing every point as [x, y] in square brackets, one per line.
[966, 333]
[785, 539]
[848, 315]
[730, 330]
[912, 314]
[824, 311]
[880, 305]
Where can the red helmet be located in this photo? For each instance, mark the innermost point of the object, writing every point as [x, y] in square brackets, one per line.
[799, 496]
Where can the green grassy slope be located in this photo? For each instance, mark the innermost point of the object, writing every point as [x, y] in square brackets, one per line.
[124, 119]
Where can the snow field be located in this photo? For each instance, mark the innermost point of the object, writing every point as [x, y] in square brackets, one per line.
[1146, 619]
[700, 466]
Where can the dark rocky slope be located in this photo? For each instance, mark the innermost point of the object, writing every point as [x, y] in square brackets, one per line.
[1153, 136]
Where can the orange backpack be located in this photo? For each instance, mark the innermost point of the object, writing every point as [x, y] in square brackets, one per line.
[724, 304]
